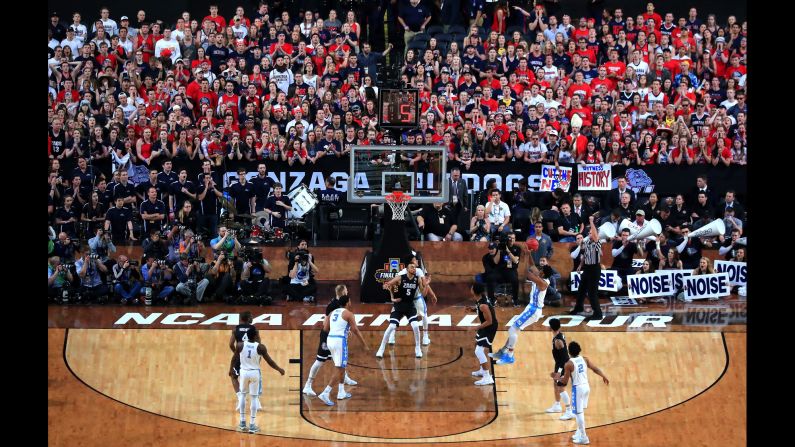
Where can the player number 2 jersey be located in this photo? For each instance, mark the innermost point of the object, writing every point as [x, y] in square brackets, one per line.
[249, 357]
[580, 374]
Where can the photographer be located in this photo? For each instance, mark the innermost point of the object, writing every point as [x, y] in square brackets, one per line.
[101, 245]
[155, 246]
[127, 279]
[300, 275]
[188, 271]
[222, 278]
[436, 221]
[64, 248]
[58, 277]
[254, 280]
[191, 245]
[91, 285]
[155, 274]
[226, 242]
[506, 259]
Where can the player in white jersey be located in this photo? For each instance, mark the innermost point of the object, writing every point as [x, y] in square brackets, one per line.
[419, 299]
[251, 378]
[576, 369]
[338, 323]
[531, 313]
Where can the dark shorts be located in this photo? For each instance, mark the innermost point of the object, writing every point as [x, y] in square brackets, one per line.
[235, 370]
[559, 369]
[398, 314]
[323, 353]
[485, 337]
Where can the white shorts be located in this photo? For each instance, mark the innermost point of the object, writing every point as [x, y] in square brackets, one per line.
[579, 397]
[419, 304]
[251, 381]
[529, 315]
[338, 346]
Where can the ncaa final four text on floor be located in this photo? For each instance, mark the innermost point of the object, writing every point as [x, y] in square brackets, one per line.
[372, 320]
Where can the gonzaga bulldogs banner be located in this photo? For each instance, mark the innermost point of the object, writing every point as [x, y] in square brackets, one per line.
[738, 271]
[594, 177]
[662, 179]
[609, 281]
[707, 286]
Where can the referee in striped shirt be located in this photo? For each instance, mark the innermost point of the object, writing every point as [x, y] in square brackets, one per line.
[591, 270]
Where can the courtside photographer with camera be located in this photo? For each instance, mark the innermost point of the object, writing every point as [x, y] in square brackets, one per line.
[126, 280]
[254, 282]
[302, 284]
[190, 275]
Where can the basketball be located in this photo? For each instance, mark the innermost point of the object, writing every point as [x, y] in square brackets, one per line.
[532, 244]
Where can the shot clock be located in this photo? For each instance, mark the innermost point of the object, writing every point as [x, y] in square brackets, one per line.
[399, 108]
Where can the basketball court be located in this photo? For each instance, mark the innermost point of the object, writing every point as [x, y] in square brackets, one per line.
[121, 376]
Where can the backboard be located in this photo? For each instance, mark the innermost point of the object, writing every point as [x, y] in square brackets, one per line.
[420, 171]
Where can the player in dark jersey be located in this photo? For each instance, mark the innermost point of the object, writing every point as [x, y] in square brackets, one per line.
[323, 353]
[244, 328]
[561, 355]
[403, 306]
[485, 333]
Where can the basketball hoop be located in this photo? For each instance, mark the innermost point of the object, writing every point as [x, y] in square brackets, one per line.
[398, 201]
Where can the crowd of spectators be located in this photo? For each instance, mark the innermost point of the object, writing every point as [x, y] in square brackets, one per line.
[519, 84]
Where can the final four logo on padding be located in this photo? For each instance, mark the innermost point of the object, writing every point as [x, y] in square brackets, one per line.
[389, 271]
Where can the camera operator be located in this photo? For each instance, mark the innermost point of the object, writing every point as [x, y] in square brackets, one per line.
[254, 280]
[91, 285]
[226, 242]
[300, 275]
[118, 220]
[437, 222]
[221, 275]
[155, 274]
[127, 280]
[506, 259]
[64, 248]
[155, 246]
[191, 245]
[188, 272]
[58, 277]
[102, 246]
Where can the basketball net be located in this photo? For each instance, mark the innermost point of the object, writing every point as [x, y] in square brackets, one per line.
[398, 202]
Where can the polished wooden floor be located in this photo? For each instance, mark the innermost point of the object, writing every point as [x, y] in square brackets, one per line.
[169, 386]
[161, 384]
